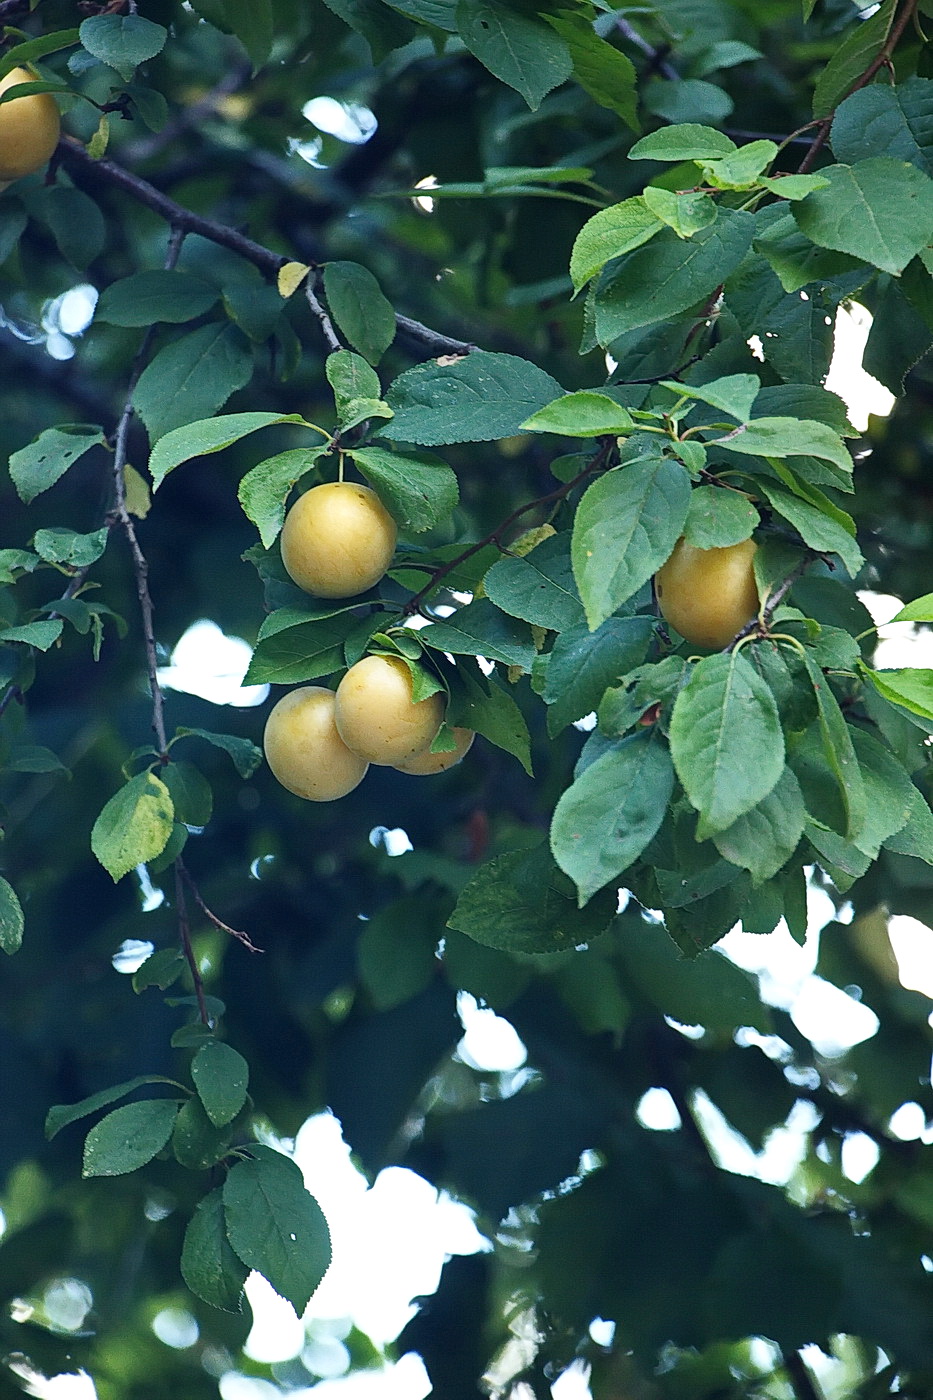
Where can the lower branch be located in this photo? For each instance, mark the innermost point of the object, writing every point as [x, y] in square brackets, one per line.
[209, 914]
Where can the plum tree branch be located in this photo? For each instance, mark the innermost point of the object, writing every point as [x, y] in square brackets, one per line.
[74, 156]
[881, 60]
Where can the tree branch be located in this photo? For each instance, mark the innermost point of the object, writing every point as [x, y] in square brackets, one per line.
[75, 157]
[209, 914]
[881, 60]
[597, 464]
[125, 520]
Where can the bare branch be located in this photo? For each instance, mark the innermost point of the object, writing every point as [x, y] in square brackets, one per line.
[209, 914]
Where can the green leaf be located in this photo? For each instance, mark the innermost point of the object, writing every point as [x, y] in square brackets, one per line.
[77, 224]
[480, 397]
[356, 302]
[740, 170]
[244, 754]
[134, 825]
[122, 41]
[25, 53]
[689, 100]
[129, 1137]
[605, 819]
[192, 799]
[920, 610]
[208, 1265]
[11, 919]
[669, 275]
[521, 902]
[911, 688]
[726, 740]
[888, 792]
[854, 55]
[709, 991]
[161, 969]
[718, 518]
[16, 562]
[263, 491]
[915, 837]
[837, 746]
[34, 758]
[879, 210]
[684, 142]
[380, 27]
[351, 378]
[418, 490]
[61, 546]
[276, 1226]
[515, 46]
[806, 401]
[480, 629]
[607, 74]
[480, 704]
[396, 952]
[793, 186]
[40, 635]
[191, 378]
[887, 119]
[35, 468]
[788, 437]
[583, 663]
[815, 527]
[583, 414]
[300, 653]
[209, 435]
[220, 1076]
[538, 587]
[765, 838]
[196, 1142]
[625, 528]
[64, 1114]
[608, 234]
[148, 297]
[686, 214]
[734, 394]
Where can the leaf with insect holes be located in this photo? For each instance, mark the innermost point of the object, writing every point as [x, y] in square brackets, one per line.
[275, 1226]
[37, 467]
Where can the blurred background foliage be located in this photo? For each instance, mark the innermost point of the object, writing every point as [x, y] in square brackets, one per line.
[589, 1214]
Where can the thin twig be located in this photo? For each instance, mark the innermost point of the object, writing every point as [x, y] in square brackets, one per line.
[125, 520]
[209, 914]
[881, 60]
[184, 933]
[657, 62]
[414, 604]
[327, 325]
[774, 600]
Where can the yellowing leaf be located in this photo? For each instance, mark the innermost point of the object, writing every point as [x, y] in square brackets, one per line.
[291, 275]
